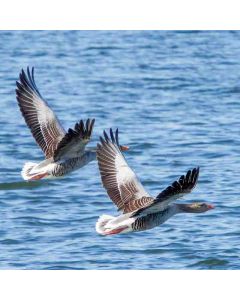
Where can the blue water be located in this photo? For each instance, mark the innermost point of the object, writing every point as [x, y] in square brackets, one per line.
[175, 97]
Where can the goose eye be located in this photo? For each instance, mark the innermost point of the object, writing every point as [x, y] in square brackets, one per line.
[196, 205]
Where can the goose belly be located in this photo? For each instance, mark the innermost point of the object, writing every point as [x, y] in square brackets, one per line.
[57, 169]
[151, 220]
[64, 167]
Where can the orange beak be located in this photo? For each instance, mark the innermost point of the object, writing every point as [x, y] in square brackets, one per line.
[124, 148]
[210, 206]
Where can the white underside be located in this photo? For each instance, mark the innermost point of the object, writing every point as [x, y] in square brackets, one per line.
[106, 224]
[30, 170]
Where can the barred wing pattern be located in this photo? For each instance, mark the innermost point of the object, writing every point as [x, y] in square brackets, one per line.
[178, 189]
[75, 140]
[121, 183]
[39, 117]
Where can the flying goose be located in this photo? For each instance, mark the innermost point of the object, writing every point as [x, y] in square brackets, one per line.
[64, 151]
[140, 211]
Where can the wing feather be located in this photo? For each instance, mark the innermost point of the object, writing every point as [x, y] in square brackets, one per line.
[121, 183]
[178, 189]
[74, 141]
[39, 117]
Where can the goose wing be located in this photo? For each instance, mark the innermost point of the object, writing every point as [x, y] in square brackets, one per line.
[39, 117]
[184, 185]
[74, 141]
[121, 183]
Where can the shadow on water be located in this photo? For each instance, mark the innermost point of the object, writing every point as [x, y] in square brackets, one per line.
[211, 263]
[21, 185]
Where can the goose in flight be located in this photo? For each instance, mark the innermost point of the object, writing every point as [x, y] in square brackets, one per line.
[140, 211]
[64, 151]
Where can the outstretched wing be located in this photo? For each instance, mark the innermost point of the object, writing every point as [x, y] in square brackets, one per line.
[178, 189]
[121, 183]
[74, 141]
[39, 117]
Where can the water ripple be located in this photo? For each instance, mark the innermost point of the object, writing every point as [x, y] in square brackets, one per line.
[174, 97]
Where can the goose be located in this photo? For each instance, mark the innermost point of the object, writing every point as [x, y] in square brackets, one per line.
[64, 151]
[140, 211]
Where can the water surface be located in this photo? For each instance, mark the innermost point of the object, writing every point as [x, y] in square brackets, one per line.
[175, 97]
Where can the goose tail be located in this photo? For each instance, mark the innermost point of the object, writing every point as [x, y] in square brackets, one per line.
[101, 224]
[108, 225]
[28, 174]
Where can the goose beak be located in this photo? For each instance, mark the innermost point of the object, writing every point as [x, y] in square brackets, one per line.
[210, 206]
[124, 148]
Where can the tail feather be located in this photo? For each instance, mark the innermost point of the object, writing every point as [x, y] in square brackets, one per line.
[27, 173]
[107, 225]
[101, 223]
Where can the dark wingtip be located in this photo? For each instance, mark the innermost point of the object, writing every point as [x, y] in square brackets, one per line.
[99, 146]
[26, 78]
[116, 134]
[28, 72]
[112, 136]
[102, 140]
[91, 126]
[197, 173]
[105, 136]
[87, 122]
[84, 130]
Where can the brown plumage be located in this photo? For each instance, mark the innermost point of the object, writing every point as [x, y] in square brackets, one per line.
[64, 151]
[140, 210]
[123, 186]
[39, 117]
[75, 138]
[129, 194]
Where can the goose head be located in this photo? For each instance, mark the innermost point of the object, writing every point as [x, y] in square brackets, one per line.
[195, 207]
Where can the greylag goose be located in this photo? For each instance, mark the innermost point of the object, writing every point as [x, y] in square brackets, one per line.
[140, 211]
[64, 151]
